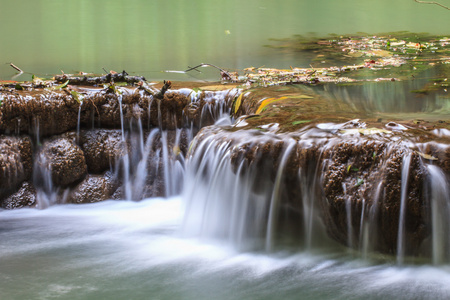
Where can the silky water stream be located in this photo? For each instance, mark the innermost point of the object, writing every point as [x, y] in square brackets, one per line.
[214, 237]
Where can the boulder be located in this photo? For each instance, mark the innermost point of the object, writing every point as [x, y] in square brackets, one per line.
[62, 159]
[94, 188]
[102, 149]
[24, 197]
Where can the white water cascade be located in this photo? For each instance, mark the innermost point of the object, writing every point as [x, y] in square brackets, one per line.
[440, 212]
[401, 223]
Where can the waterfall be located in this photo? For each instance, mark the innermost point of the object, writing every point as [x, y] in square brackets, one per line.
[440, 212]
[403, 202]
[223, 200]
[275, 199]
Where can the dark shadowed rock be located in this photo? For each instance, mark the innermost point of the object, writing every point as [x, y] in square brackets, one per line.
[15, 162]
[24, 197]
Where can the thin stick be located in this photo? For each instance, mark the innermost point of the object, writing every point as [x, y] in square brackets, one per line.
[433, 2]
[209, 65]
[16, 67]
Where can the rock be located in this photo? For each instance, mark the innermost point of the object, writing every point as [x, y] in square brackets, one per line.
[15, 162]
[102, 148]
[364, 178]
[94, 188]
[38, 113]
[63, 160]
[24, 197]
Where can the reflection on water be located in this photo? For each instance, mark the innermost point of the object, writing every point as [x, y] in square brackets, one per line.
[129, 250]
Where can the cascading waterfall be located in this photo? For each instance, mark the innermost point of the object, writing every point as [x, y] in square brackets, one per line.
[233, 198]
[275, 199]
[401, 223]
[440, 210]
[141, 161]
[225, 201]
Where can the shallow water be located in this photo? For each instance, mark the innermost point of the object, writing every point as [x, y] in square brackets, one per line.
[135, 250]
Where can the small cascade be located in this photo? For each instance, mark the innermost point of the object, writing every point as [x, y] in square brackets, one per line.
[403, 202]
[226, 201]
[78, 121]
[348, 213]
[46, 192]
[440, 212]
[368, 231]
[275, 199]
[120, 97]
[310, 186]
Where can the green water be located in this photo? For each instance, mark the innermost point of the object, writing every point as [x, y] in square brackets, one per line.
[147, 37]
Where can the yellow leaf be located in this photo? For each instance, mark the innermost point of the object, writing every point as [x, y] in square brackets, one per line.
[266, 102]
[238, 102]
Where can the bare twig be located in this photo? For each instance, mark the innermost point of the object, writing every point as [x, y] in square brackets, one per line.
[210, 65]
[16, 67]
[433, 2]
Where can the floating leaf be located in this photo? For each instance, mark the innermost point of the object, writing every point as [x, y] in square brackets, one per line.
[300, 122]
[348, 168]
[266, 102]
[238, 102]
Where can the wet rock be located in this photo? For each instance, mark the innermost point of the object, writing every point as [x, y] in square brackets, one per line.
[94, 188]
[15, 162]
[363, 185]
[63, 160]
[38, 112]
[24, 197]
[102, 149]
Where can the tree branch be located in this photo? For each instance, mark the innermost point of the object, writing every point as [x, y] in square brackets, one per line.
[433, 2]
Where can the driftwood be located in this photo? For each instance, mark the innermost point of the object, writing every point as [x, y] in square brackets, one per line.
[110, 77]
[433, 2]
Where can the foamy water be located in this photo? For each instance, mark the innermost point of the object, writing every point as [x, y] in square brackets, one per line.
[136, 250]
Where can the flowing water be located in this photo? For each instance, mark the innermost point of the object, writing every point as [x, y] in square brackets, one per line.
[129, 250]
